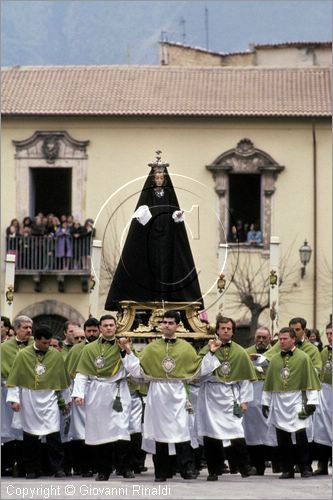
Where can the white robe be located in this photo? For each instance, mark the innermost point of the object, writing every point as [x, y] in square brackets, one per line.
[256, 428]
[102, 423]
[40, 414]
[166, 419]
[78, 423]
[194, 392]
[11, 428]
[322, 419]
[135, 422]
[284, 408]
[215, 417]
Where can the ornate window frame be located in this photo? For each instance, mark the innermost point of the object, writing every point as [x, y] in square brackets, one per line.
[51, 149]
[245, 158]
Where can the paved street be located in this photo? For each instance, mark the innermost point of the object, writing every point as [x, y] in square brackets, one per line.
[143, 486]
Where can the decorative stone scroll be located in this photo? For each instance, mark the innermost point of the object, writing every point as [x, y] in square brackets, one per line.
[50, 149]
[245, 158]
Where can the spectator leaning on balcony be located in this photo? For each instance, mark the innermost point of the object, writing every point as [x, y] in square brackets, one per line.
[16, 224]
[87, 234]
[27, 222]
[63, 247]
[25, 249]
[12, 234]
[254, 236]
[77, 232]
[39, 226]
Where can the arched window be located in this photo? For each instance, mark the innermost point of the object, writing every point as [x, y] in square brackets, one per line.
[245, 182]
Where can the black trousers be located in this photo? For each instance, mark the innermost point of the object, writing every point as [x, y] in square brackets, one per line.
[137, 454]
[163, 462]
[322, 453]
[237, 454]
[214, 453]
[81, 456]
[109, 456]
[293, 454]
[68, 457]
[258, 456]
[32, 452]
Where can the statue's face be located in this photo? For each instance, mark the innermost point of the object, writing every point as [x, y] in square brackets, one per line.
[159, 179]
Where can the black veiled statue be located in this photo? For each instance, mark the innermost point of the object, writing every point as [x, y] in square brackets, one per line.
[156, 262]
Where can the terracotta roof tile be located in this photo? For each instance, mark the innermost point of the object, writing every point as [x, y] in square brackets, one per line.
[156, 90]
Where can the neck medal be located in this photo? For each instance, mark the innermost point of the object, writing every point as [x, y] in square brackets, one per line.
[328, 363]
[40, 368]
[99, 361]
[225, 366]
[168, 364]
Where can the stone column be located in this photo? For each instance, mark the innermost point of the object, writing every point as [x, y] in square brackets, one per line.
[222, 267]
[9, 286]
[274, 278]
[95, 274]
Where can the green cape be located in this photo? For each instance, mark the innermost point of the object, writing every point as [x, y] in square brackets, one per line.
[72, 358]
[23, 373]
[186, 360]
[9, 349]
[309, 349]
[302, 375]
[326, 371]
[66, 349]
[241, 367]
[253, 350]
[109, 352]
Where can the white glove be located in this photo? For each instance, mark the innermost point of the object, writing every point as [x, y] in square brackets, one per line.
[178, 216]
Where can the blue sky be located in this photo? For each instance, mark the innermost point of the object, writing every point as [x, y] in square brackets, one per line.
[47, 32]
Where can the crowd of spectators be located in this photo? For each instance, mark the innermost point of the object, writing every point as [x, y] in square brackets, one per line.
[249, 234]
[50, 242]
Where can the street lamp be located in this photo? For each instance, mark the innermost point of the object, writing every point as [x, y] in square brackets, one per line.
[305, 255]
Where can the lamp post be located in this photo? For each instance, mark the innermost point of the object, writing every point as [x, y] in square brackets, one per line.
[305, 255]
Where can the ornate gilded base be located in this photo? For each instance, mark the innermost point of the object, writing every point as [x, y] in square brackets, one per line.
[129, 324]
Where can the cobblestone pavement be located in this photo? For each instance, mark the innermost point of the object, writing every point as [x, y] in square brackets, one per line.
[143, 486]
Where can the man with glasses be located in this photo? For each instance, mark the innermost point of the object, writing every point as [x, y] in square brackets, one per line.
[168, 364]
[79, 336]
[256, 429]
[11, 433]
[81, 452]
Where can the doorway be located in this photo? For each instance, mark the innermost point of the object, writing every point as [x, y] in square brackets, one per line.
[245, 200]
[51, 191]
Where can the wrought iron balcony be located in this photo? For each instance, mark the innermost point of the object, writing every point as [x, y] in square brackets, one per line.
[51, 255]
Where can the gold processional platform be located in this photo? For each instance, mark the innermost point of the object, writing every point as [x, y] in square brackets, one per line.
[191, 326]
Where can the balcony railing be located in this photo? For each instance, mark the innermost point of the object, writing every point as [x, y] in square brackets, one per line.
[50, 254]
